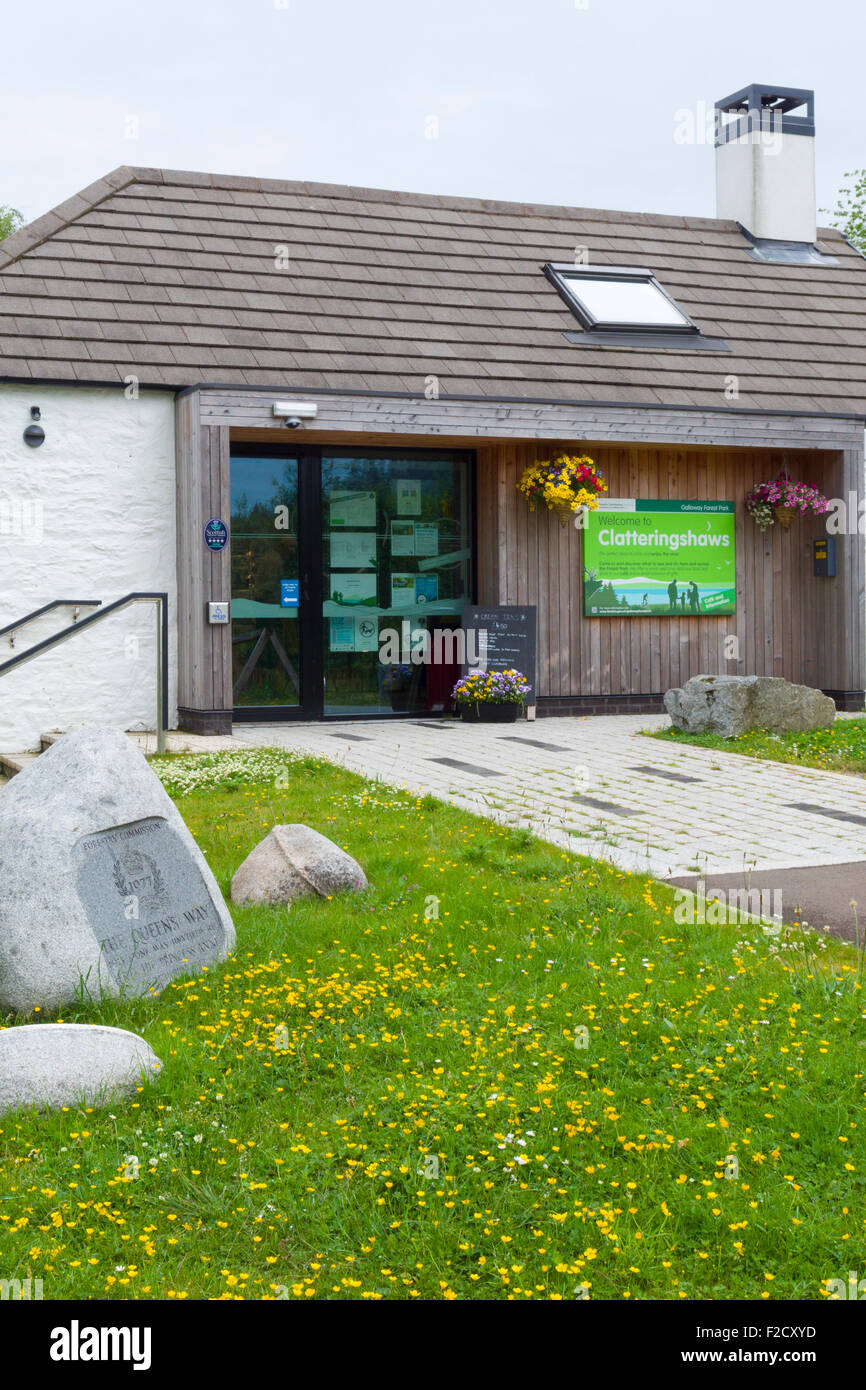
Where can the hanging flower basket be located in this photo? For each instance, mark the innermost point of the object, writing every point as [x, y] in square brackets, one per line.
[781, 500]
[566, 485]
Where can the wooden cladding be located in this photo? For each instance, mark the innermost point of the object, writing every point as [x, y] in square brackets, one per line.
[204, 652]
[788, 623]
[468, 421]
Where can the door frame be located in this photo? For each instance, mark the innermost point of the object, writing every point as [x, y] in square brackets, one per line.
[311, 647]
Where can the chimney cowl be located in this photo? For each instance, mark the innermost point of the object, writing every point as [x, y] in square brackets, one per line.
[759, 107]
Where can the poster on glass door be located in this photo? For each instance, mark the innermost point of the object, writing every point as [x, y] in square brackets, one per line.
[353, 634]
[351, 589]
[408, 496]
[402, 538]
[353, 550]
[352, 509]
[402, 590]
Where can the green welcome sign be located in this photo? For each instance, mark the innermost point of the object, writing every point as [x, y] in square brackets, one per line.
[658, 558]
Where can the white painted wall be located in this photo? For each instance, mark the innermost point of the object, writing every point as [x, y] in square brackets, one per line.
[88, 515]
[766, 182]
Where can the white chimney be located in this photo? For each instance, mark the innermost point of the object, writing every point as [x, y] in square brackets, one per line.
[765, 162]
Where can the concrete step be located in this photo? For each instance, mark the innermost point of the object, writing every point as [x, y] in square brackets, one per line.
[12, 763]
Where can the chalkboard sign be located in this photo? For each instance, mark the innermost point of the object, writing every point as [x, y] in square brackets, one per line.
[511, 638]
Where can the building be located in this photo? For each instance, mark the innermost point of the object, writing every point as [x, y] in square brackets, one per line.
[313, 403]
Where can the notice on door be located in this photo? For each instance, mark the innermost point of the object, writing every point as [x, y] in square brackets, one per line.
[352, 509]
[402, 538]
[408, 496]
[351, 589]
[353, 549]
[426, 538]
[402, 590]
[353, 634]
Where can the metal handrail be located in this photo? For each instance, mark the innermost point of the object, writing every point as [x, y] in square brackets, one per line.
[161, 600]
[47, 607]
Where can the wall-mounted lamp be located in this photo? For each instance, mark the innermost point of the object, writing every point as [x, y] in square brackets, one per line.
[34, 435]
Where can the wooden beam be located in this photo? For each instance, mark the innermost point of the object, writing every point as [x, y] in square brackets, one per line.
[476, 420]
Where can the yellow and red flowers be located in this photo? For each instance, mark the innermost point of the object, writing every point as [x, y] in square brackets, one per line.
[566, 484]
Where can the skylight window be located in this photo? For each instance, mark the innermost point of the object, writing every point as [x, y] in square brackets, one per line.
[615, 299]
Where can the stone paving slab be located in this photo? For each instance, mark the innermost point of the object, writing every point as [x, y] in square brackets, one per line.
[734, 813]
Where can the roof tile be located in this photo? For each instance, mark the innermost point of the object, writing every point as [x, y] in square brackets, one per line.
[171, 276]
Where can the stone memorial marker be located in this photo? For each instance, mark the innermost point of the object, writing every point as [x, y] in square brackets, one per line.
[48, 1065]
[177, 921]
[102, 887]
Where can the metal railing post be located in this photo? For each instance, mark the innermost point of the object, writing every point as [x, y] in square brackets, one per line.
[160, 723]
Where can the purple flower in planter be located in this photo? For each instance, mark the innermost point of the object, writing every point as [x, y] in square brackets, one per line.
[492, 687]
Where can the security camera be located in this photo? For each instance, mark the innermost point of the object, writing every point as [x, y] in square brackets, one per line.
[295, 412]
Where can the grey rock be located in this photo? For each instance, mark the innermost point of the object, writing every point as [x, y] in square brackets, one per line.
[48, 1065]
[102, 888]
[295, 861]
[731, 705]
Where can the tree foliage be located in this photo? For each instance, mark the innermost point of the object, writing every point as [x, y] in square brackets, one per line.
[10, 221]
[850, 212]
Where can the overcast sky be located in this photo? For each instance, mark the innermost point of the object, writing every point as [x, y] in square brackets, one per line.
[563, 101]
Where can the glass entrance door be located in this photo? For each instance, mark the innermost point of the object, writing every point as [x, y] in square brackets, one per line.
[397, 565]
[344, 564]
[266, 649]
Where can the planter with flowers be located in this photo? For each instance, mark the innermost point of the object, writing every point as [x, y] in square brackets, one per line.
[491, 697]
[566, 485]
[781, 500]
[396, 685]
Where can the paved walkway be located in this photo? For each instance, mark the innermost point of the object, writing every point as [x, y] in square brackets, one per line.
[597, 786]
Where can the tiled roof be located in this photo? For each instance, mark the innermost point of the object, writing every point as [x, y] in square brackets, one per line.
[179, 279]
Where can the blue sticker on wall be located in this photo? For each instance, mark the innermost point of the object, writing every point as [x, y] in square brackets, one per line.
[215, 534]
[289, 593]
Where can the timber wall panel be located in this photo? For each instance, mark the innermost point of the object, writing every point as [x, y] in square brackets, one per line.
[788, 623]
[204, 652]
[473, 420]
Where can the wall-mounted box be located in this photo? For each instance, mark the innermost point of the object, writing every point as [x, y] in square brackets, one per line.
[218, 612]
[824, 557]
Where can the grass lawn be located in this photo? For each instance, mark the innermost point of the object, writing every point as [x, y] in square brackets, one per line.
[840, 749]
[364, 1103]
